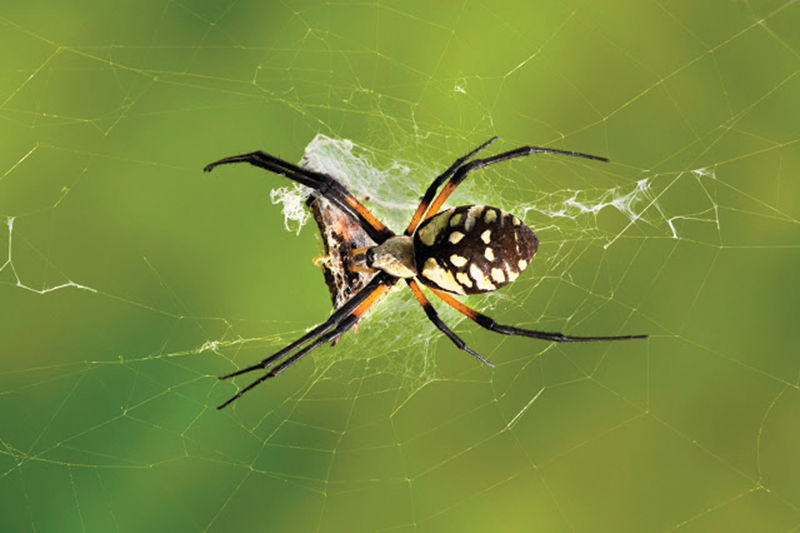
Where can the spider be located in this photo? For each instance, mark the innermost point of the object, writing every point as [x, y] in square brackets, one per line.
[470, 249]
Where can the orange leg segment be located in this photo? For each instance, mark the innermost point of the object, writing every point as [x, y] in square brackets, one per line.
[455, 304]
[437, 203]
[417, 218]
[370, 300]
[362, 270]
[364, 212]
[433, 316]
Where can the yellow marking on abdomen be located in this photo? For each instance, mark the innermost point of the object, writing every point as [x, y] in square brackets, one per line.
[432, 229]
[455, 237]
[498, 275]
[481, 281]
[440, 276]
[473, 214]
[464, 279]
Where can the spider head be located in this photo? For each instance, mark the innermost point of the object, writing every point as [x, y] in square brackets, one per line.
[394, 256]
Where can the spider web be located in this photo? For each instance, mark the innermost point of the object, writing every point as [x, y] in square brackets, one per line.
[129, 279]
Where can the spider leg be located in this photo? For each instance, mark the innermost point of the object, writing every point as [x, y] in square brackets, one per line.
[349, 307]
[326, 185]
[361, 269]
[433, 316]
[336, 325]
[431, 191]
[491, 325]
[345, 325]
[461, 173]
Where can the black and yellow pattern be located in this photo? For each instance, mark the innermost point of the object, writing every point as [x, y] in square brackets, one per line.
[473, 249]
[470, 249]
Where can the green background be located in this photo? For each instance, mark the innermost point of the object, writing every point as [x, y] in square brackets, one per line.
[133, 279]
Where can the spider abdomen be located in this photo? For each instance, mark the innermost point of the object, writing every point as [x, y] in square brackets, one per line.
[472, 249]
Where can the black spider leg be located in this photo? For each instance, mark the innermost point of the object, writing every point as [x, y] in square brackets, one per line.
[433, 316]
[488, 323]
[346, 324]
[337, 324]
[324, 184]
[462, 171]
[430, 192]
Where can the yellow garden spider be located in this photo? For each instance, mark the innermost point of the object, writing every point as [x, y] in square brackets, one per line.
[469, 249]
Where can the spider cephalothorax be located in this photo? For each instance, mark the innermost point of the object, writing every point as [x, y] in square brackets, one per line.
[469, 249]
